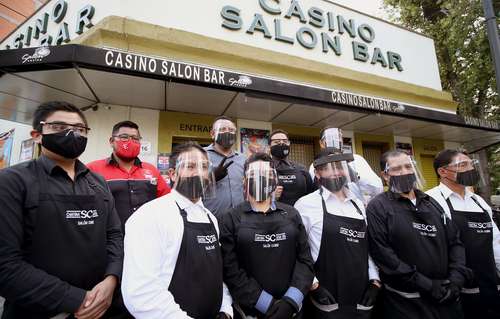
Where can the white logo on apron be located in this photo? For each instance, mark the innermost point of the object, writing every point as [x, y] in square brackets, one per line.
[426, 230]
[352, 235]
[481, 227]
[84, 217]
[208, 240]
[270, 240]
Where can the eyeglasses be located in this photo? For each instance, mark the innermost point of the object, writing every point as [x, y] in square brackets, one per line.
[127, 137]
[62, 126]
[463, 165]
[280, 141]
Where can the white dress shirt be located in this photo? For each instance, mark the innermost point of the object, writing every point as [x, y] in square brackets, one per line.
[152, 243]
[369, 182]
[311, 211]
[466, 204]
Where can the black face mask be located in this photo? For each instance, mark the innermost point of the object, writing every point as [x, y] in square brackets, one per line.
[266, 187]
[402, 183]
[333, 184]
[66, 143]
[280, 151]
[468, 178]
[191, 187]
[226, 140]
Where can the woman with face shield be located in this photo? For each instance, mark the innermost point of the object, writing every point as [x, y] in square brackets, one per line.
[417, 248]
[173, 263]
[267, 262]
[480, 236]
[347, 281]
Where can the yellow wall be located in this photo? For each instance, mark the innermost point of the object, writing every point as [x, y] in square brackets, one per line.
[359, 138]
[431, 148]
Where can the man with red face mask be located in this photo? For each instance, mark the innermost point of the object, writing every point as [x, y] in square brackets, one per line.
[132, 182]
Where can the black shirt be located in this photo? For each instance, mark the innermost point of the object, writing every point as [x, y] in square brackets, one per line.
[21, 282]
[383, 213]
[295, 179]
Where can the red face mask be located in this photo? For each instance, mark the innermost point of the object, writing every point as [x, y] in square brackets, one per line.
[128, 150]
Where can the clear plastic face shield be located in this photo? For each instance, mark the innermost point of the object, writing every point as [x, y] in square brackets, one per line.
[260, 181]
[334, 172]
[224, 133]
[465, 171]
[332, 139]
[193, 175]
[403, 174]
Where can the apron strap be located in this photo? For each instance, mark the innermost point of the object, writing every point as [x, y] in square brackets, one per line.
[477, 203]
[184, 218]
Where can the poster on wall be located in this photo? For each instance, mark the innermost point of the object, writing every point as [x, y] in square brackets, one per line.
[163, 166]
[405, 147]
[347, 145]
[27, 150]
[253, 141]
[6, 141]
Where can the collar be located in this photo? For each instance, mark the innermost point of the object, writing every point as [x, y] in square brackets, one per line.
[211, 148]
[279, 162]
[51, 167]
[327, 194]
[447, 192]
[112, 161]
[184, 202]
[396, 196]
[247, 207]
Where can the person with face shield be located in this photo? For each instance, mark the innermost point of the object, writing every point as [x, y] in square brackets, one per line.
[369, 184]
[480, 297]
[61, 245]
[417, 248]
[173, 260]
[131, 181]
[347, 281]
[227, 167]
[293, 178]
[267, 262]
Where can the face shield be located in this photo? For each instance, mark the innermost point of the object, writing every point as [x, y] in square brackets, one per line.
[332, 139]
[334, 172]
[404, 175]
[261, 181]
[193, 175]
[224, 133]
[468, 171]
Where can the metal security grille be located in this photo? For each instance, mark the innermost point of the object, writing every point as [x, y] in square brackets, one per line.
[428, 173]
[302, 150]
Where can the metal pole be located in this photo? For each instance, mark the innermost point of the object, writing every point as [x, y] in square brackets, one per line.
[492, 27]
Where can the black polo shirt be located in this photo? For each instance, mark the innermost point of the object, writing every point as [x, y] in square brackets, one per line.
[22, 283]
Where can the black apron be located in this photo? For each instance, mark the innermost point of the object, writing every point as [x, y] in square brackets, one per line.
[480, 297]
[267, 252]
[197, 280]
[418, 237]
[294, 184]
[68, 241]
[342, 266]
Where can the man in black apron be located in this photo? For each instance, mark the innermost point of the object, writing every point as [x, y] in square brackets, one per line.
[173, 260]
[61, 246]
[294, 180]
[420, 257]
[267, 262]
[480, 297]
[334, 218]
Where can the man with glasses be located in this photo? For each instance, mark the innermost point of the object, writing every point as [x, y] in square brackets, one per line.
[131, 181]
[61, 246]
[481, 238]
[294, 180]
[417, 248]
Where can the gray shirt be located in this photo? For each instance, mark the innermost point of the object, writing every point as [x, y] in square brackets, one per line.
[229, 190]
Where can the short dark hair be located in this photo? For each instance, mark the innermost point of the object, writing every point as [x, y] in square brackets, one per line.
[259, 156]
[386, 155]
[444, 158]
[277, 131]
[121, 124]
[183, 148]
[44, 110]
[222, 117]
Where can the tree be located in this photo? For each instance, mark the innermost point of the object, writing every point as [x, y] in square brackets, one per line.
[463, 53]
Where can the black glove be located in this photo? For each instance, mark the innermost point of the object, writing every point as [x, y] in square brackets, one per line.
[439, 289]
[323, 296]
[221, 171]
[281, 309]
[451, 295]
[370, 295]
[222, 315]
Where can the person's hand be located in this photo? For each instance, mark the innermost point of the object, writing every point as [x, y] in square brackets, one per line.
[371, 292]
[451, 295]
[221, 171]
[439, 289]
[322, 296]
[222, 315]
[278, 191]
[281, 309]
[98, 300]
